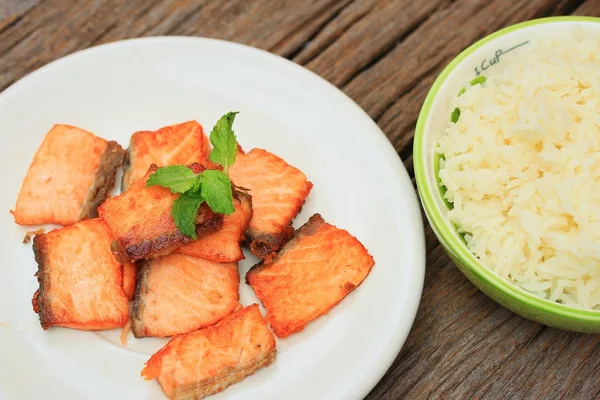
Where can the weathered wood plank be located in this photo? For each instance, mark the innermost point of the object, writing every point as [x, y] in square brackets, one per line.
[301, 38]
[343, 20]
[370, 37]
[39, 37]
[13, 9]
[275, 23]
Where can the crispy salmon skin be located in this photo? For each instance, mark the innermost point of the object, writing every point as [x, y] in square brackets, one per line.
[310, 275]
[207, 361]
[278, 192]
[224, 245]
[69, 177]
[81, 282]
[178, 294]
[141, 223]
[180, 144]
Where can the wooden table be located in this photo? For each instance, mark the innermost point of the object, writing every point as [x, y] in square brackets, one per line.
[385, 55]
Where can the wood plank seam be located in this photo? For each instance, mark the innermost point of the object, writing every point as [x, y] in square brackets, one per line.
[115, 22]
[12, 23]
[328, 44]
[389, 48]
[482, 360]
[511, 357]
[185, 19]
[320, 27]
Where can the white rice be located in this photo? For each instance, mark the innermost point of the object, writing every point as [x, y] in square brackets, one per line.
[522, 169]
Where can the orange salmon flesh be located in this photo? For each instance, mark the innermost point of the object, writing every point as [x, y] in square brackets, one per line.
[205, 362]
[81, 282]
[312, 273]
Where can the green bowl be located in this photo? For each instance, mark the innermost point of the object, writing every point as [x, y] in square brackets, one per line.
[488, 53]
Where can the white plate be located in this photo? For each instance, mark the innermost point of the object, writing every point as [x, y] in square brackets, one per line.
[359, 185]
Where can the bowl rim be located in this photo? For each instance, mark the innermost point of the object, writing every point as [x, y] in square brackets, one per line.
[434, 214]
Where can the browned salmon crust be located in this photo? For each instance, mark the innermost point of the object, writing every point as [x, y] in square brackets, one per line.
[104, 179]
[207, 222]
[45, 314]
[141, 287]
[126, 167]
[263, 245]
[308, 229]
[141, 223]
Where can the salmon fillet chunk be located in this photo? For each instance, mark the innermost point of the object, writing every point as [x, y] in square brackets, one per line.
[278, 192]
[207, 361]
[141, 223]
[178, 294]
[224, 245]
[80, 281]
[70, 176]
[180, 144]
[310, 275]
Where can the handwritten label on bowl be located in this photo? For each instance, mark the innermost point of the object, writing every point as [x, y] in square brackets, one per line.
[486, 63]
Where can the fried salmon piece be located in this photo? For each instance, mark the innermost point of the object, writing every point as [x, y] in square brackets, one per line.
[278, 192]
[224, 245]
[178, 294]
[80, 281]
[141, 223]
[311, 274]
[180, 144]
[70, 176]
[129, 277]
[207, 361]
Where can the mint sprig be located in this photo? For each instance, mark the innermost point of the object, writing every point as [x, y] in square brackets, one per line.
[178, 178]
[212, 186]
[216, 191]
[185, 211]
[224, 142]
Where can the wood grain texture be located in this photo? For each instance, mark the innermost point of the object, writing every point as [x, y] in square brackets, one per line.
[385, 54]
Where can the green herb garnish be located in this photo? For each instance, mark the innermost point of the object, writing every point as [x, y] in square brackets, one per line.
[185, 211]
[178, 178]
[212, 186]
[216, 191]
[224, 142]
[479, 79]
[455, 115]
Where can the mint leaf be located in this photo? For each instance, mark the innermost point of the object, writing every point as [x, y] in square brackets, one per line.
[455, 115]
[212, 186]
[222, 137]
[178, 178]
[185, 212]
[216, 190]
